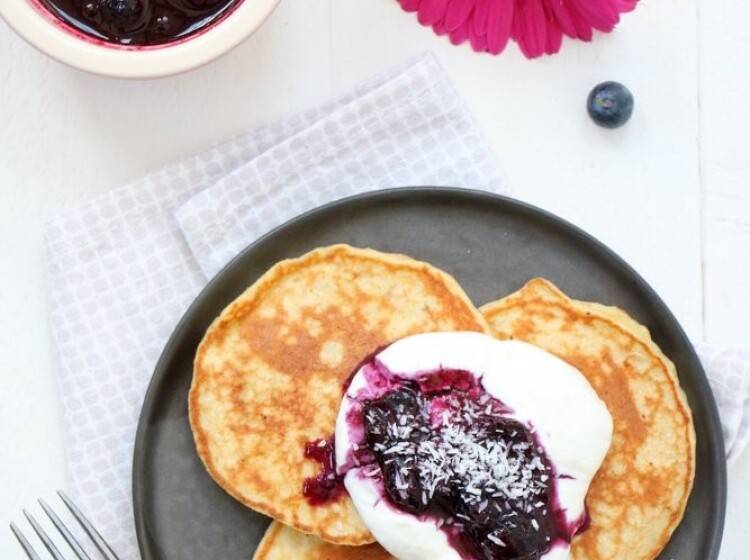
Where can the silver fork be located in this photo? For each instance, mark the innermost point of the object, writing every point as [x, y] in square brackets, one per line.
[105, 550]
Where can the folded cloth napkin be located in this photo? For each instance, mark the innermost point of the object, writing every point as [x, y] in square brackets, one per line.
[728, 371]
[125, 266]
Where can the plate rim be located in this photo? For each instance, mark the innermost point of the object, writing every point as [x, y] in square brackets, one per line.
[603, 251]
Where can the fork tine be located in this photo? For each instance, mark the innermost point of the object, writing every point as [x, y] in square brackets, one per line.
[27, 548]
[93, 534]
[67, 535]
[49, 545]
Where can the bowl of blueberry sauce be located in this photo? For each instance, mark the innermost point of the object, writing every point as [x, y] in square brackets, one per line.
[135, 38]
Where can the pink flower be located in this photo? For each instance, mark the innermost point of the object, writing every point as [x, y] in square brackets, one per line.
[537, 26]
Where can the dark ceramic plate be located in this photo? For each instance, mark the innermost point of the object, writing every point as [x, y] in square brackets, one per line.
[492, 245]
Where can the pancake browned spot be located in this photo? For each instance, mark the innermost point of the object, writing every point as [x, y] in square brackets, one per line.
[284, 543]
[270, 371]
[639, 495]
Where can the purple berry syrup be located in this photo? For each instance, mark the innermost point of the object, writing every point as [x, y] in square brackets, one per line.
[139, 22]
[326, 486]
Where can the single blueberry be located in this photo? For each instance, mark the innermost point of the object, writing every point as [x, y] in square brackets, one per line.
[610, 104]
[90, 9]
[162, 23]
[123, 15]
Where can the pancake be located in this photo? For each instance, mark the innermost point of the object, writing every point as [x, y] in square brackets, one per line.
[639, 495]
[269, 374]
[284, 543]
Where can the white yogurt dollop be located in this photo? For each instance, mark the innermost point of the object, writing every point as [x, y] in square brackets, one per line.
[543, 392]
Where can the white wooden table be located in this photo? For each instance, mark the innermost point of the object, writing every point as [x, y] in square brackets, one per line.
[670, 192]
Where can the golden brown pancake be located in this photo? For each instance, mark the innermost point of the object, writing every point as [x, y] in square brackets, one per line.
[638, 497]
[270, 371]
[284, 543]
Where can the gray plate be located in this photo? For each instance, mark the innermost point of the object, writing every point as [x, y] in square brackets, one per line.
[492, 245]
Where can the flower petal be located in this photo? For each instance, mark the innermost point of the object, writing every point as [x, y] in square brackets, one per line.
[461, 33]
[583, 29]
[439, 28]
[499, 24]
[410, 5]
[530, 27]
[625, 5]
[559, 13]
[600, 14]
[458, 13]
[554, 38]
[478, 42]
[481, 15]
[432, 11]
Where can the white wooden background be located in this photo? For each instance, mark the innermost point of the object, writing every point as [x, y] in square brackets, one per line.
[670, 192]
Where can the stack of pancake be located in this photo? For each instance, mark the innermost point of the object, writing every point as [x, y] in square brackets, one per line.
[270, 374]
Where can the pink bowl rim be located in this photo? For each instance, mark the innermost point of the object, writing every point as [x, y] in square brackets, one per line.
[46, 33]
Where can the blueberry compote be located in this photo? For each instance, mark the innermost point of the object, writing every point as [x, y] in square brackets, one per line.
[326, 486]
[139, 22]
[449, 451]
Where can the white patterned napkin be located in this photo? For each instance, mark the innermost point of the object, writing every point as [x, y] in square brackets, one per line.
[124, 267]
[411, 129]
[728, 371]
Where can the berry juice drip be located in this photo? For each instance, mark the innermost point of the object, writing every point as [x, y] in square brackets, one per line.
[326, 486]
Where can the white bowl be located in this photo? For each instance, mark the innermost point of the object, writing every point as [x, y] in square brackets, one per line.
[55, 38]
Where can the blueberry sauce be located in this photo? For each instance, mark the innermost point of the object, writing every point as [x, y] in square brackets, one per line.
[139, 22]
[326, 486]
[444, 449]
